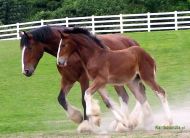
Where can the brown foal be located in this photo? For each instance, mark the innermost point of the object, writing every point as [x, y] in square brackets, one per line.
[104, 66]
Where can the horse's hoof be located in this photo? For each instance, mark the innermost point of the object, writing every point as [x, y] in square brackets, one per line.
[75, 115]
[96, 119]
[85, 127]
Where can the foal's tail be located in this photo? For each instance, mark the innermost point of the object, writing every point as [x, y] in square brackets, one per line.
[147, 65]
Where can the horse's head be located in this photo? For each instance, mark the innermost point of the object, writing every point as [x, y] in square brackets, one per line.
[32, 51]
[66, 48]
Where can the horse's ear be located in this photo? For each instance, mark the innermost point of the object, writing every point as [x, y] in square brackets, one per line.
[21, 34]
[29, 36]
[63, 35]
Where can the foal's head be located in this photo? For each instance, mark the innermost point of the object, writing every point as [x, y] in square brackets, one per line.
[72, 40]
[66, 48]
[32, 46]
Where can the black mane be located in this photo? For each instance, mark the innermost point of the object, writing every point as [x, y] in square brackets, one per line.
[77, 30]
[41, 34]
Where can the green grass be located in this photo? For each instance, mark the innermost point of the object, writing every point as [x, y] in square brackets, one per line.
[29, 105]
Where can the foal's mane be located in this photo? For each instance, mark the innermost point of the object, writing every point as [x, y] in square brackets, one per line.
[41, 34]
[77, 30]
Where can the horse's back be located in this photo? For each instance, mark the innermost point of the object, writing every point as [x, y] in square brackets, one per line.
[117, 41]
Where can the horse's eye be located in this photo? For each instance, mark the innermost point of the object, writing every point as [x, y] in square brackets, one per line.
[29, 47]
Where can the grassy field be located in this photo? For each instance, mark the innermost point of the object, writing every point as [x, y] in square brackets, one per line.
[29, 105]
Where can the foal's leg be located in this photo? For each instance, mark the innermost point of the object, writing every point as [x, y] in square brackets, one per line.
[85, 125]
[160, 92]
[142, 110]
[123, 99]
[148, 76]
[73, 113]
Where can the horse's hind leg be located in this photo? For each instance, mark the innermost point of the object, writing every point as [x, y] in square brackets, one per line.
[73, 113]
[142, 111]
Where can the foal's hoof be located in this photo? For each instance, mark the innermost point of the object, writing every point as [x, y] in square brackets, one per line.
[96, 119]
[133, 123]
[85, 127]
[148, 121]
[113, 125]
[120, 127]
[169, 122]
[95, 111]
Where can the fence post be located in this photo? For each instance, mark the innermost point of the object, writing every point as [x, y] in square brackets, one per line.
[67, 21]
[17, 30]
[93, 25]
[175, 16]
[121, 23]
[42, 22]
[148, 21]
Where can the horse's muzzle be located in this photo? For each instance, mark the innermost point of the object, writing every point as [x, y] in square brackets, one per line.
[28, 72]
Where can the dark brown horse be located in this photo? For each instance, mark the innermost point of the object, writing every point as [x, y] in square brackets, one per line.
[46, 39]
[104, 66]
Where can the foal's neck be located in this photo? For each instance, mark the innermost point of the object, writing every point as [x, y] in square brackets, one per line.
[89, 49]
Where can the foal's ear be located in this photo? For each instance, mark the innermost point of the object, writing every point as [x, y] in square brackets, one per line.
[63, 35]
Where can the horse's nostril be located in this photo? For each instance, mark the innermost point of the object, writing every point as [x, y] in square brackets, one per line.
[26, 71]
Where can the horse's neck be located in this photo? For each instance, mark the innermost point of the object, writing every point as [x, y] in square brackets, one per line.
[52, 48]
[52, 44]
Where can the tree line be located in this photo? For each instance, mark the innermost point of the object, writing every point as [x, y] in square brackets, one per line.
[12, 11]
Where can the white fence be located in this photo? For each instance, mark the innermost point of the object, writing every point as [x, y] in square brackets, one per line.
[108, 24]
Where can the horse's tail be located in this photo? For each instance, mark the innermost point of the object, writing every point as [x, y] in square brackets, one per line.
[129, 41]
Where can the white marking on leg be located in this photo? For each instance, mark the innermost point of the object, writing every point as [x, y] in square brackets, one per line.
[147, 113]
[124, 110]
[124, 107]
[59, 48]
[136, 109]
[146, 108]
[88, 100]
[120, 116]
[165, 105]
[136, 115]
[23, 51]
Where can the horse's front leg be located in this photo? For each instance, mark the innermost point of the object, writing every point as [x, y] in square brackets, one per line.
[84, 83]
[73, 113]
